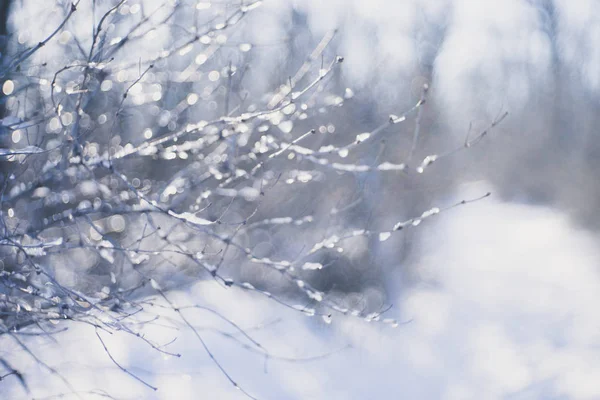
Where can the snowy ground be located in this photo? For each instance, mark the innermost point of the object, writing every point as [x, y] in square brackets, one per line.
[505, 310]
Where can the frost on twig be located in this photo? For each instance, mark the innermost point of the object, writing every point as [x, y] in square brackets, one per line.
[129, 173]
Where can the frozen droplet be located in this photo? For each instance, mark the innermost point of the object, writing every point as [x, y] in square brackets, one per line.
[372, 317]
[309, 312]
[416, 221]
[8, 87]
[327, 318]
[251, 6]
[317, 296]
[351, 167]
[191, 218]
[154, 284]
[362, 137]
[343, 153]
[286, 126]
[289, 109]
[304, 176]
[386, 166]
[348, 93]
[245, 47]
[426, 162]
[326, 149]
[394, 119]
[431, 212]
[248, 285]
[185, 50]
[53, 314]
[383, 236]
[312, 266]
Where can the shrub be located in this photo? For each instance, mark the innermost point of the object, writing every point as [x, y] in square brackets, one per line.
[138, 157]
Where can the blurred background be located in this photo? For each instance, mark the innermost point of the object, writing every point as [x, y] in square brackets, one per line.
[495, 299]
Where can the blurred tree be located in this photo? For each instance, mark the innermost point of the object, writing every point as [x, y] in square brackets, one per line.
[4, 13]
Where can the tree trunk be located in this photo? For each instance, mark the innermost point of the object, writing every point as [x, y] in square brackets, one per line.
[4, 12]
